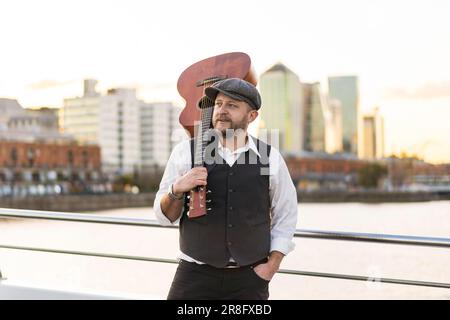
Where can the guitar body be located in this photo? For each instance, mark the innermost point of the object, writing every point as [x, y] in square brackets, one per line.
[191, 85]
[197, 77]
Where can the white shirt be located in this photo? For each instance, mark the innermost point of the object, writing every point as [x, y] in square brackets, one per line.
[282, 192]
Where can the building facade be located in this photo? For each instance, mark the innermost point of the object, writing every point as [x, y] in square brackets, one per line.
[43, 120]
[314, 129]
[282, 107]
[373, 136]
[49, 168]
[9, 108]
[346, 90]
[159, 131]
[333, 120]
[112, 121]
[133, 135]
[37, 159]
[313, 171]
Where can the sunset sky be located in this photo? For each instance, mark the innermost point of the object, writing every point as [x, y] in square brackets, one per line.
[399, 50]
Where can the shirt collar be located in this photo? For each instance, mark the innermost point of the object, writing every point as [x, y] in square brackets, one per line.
[249, 145]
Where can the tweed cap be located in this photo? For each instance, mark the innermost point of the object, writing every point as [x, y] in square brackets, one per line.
[237, 89]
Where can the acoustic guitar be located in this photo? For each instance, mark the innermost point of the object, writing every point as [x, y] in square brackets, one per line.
[197, 114]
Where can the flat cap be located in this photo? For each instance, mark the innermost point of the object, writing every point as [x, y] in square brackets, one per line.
[237, 89]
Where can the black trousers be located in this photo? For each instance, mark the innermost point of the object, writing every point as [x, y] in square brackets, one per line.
[193, 281]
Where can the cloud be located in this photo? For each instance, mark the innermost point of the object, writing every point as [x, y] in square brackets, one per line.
[48, 84]
[427, 91]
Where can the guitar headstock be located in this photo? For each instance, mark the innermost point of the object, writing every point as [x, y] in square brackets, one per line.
[199, 205]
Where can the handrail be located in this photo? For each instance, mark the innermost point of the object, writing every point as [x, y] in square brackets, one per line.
[73, 217]
[284, 271]
[375, 237]
[302, 233]
[299, 233]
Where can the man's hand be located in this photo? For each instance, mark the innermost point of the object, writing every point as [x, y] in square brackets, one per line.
[267, 270]
[194, 177]
[172, 208]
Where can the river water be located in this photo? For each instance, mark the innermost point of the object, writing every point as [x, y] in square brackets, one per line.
[152, 280]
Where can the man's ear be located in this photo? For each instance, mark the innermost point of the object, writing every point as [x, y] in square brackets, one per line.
[252, 116]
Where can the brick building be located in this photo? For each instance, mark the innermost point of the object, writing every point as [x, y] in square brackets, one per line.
[312, 172]
[37, 168]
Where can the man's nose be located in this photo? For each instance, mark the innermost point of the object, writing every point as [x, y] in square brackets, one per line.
[222, 109]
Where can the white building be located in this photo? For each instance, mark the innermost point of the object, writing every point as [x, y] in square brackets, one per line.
[334, 126]
[19, 124]
[160, 131]
[111, 121]
[9, 108]
[132, 134]
[43, 120]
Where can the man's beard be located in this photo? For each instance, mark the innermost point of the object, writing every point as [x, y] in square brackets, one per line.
[234, 126]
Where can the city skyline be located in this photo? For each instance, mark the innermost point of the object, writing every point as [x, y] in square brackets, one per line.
[402, 65]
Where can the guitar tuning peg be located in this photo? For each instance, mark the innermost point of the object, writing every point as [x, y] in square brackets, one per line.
[208, 201]
[208, 191]
[208, 209]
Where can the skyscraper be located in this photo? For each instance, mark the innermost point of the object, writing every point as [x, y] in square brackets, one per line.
[346, 90]
[314, 118]
[333, 118]
[373, 135]
[282, 106]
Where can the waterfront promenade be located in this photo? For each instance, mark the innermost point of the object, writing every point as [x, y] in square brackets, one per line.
[375, 260]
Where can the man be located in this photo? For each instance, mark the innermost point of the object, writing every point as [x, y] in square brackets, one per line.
[234, 251]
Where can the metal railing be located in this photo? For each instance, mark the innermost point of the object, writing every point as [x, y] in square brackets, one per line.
[300, 233]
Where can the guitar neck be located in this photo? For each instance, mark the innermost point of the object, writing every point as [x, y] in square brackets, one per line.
[201, 138]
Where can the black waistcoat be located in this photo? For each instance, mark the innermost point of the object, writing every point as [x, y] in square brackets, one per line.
[238, 224]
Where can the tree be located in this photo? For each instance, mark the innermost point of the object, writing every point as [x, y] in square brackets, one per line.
[149, 178]
[370, 175]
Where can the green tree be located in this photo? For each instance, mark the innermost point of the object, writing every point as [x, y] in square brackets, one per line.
[149, 178]
[370, 175]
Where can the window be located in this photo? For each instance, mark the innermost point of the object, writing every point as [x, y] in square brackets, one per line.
[70, 157]
[13, 156]
[85, 159]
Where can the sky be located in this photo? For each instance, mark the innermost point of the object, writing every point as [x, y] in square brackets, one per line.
[398, 49]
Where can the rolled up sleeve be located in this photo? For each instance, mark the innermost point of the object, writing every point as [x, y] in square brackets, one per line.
[178, 164]
[283, 205]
